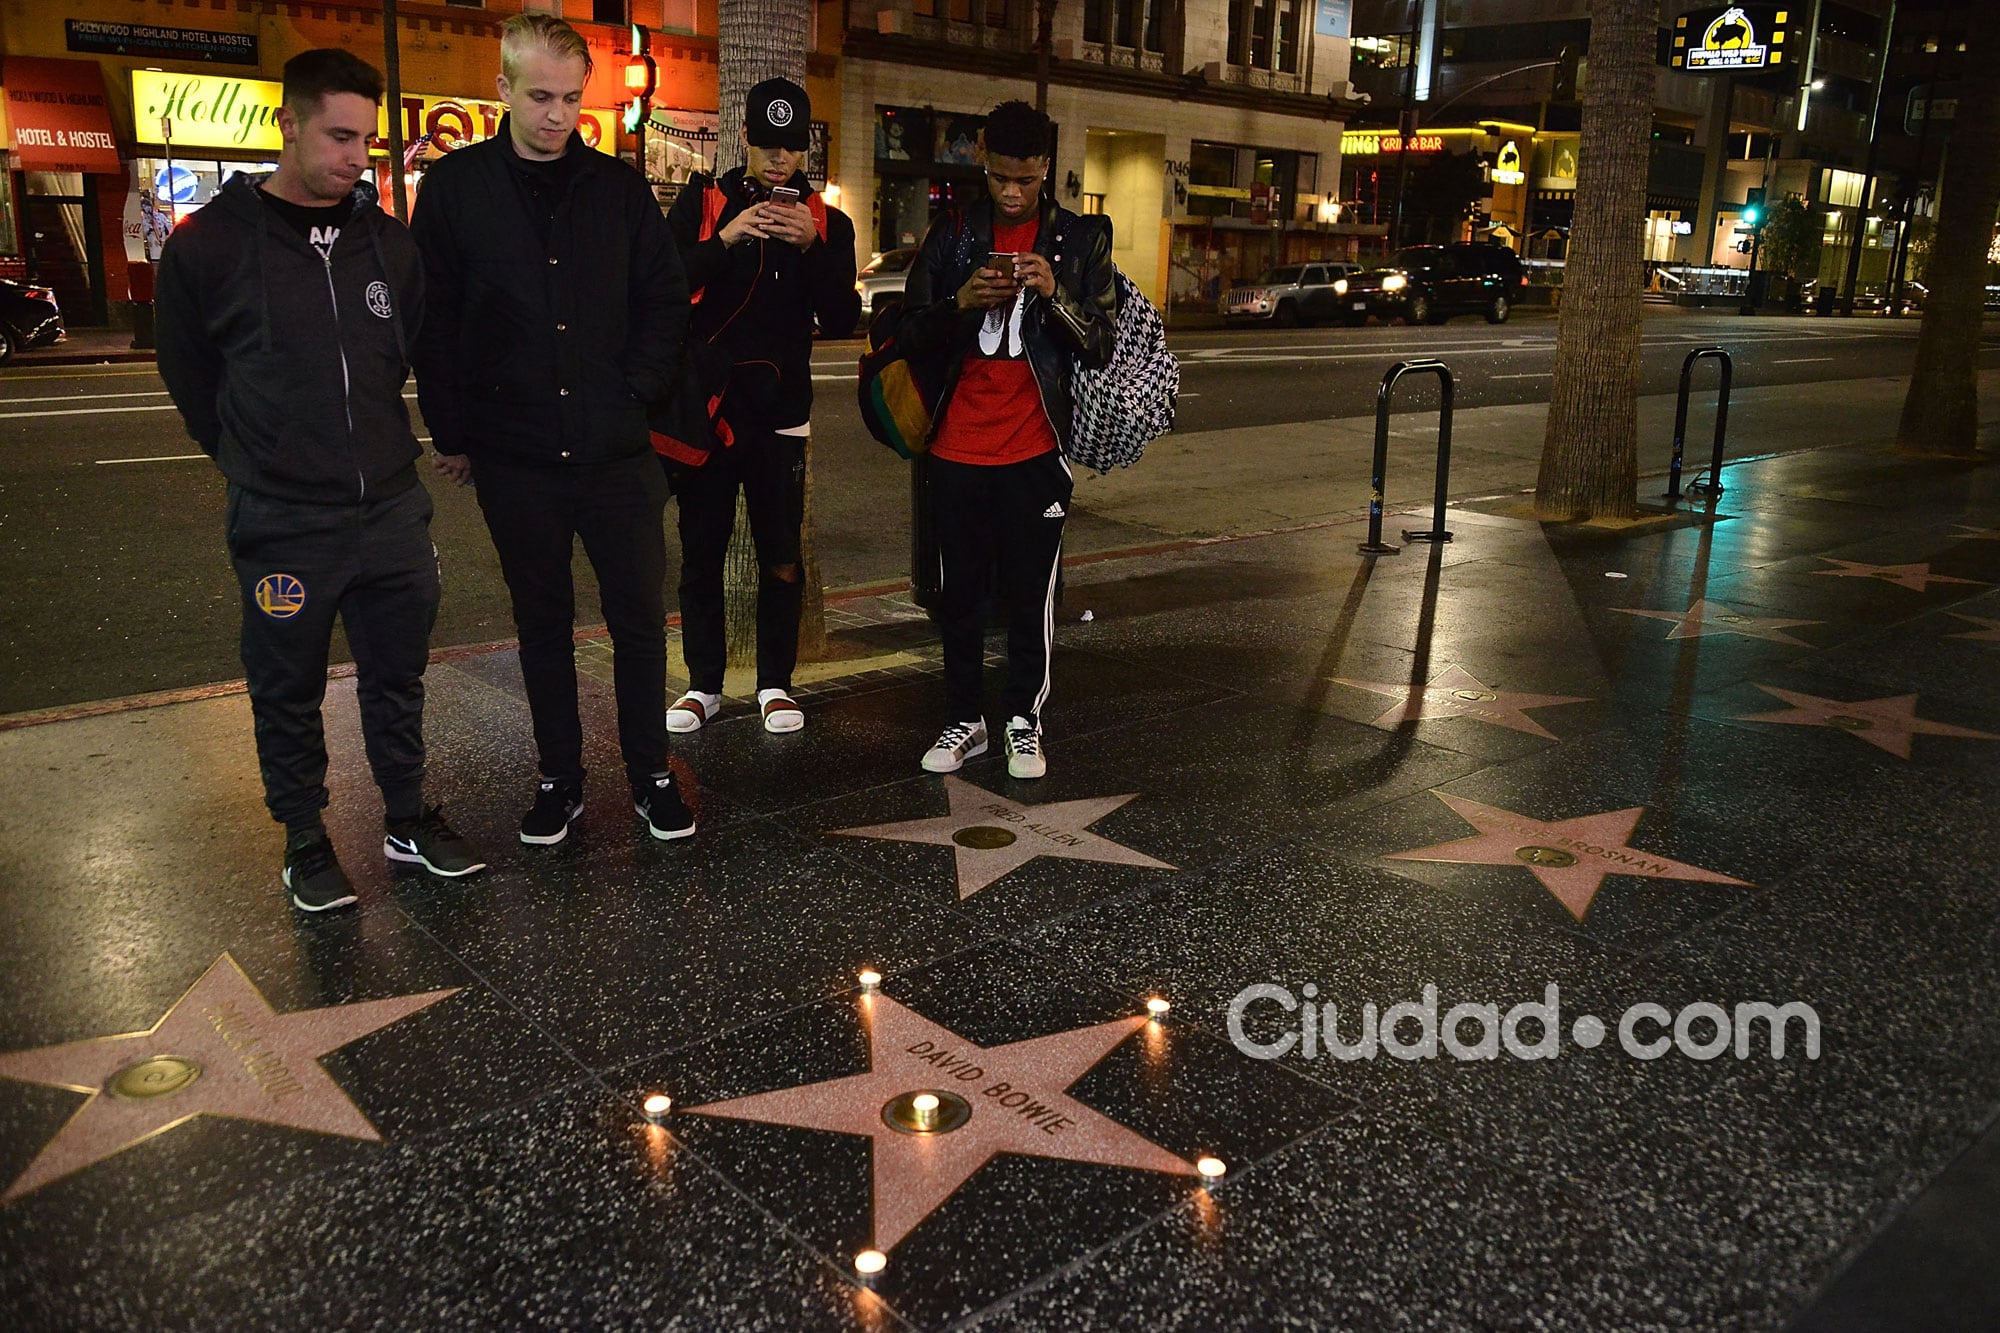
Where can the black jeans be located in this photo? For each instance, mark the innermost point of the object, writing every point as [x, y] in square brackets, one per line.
[300, 565]
[536, 515]
[771, 469]
[999, 529]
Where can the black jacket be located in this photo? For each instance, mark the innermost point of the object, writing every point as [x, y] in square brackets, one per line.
[544, 354]
[1076, 326]
[760, 300]
[288, 368]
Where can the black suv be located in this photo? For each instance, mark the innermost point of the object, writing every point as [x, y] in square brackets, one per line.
[1427, 284]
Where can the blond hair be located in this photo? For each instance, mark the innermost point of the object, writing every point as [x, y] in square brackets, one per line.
[539, 32]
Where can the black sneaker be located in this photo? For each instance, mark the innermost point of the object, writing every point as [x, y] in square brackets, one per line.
[314, 877]
[431, 843]
[660, 805]
[557, 804]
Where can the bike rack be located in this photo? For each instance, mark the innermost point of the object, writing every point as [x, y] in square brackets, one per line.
[1714, 484]
[1422, 366]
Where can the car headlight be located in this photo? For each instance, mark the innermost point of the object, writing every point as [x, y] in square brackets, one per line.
[1340, 286]
[1395, 282]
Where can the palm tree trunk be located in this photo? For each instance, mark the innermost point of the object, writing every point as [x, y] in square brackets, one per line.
[1590, 452]
[1941, 412]
[758, 40]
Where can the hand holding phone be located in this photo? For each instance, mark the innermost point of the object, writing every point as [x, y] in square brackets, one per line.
[784, 195]
[1002, 262]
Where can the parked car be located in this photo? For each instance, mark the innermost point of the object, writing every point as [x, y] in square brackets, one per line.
[1289, 296]
[881, 283]
[1428, 284]
[29, 318]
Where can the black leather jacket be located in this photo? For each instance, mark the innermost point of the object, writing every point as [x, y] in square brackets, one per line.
[1076, 326]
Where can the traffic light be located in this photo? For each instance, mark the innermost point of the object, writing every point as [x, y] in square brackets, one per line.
[1753, 208]
[642, 77]
[1566, 75]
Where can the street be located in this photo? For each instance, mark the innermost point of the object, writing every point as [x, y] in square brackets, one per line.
[115, 579]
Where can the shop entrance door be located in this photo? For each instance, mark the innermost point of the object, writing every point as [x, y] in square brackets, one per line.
[62, 243]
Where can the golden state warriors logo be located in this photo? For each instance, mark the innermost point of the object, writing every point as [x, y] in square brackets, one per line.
[280, 596]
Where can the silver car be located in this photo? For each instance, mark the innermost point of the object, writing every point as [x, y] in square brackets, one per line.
[881, 283]
[1289, 296]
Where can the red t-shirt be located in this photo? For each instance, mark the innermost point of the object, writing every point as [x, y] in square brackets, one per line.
[995, 415]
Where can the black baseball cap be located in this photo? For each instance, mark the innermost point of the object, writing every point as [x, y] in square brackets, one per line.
[779, 115]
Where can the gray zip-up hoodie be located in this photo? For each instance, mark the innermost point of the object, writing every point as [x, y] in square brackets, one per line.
[287, 367]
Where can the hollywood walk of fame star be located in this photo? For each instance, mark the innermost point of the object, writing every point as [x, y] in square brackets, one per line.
[992, 835]
[1570, 857]
[1917, 578]
[1003, 1099]
[1706, 617]
[1886, 723]
[1456, 692]
[1990, 633]
[220, 1050]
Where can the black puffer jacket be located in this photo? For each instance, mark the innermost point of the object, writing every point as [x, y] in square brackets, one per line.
[546, 354]
[288, 368]
[1078, 325]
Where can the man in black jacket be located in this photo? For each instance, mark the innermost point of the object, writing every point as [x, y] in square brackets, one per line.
[284, 311]
[1004, 300]
[764, 270]
[556, 313]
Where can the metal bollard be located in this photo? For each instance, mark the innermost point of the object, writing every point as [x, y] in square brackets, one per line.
[1428, 366]
[1714, 485]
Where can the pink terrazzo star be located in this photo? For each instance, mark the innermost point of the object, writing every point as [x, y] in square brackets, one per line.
[1014, 1099]
[1570, 857]
[1888, 724]
[1456, 692]
[1916, 578]
[1706, 617]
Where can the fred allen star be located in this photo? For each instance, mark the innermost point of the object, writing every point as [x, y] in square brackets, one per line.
[221, 1050]
[1570, 857]
[991, 835]
[939, 1107]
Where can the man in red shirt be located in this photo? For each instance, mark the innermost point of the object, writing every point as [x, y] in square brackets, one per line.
[1006, 299]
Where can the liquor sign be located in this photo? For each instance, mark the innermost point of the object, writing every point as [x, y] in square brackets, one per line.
[143, 39]
[1737, 40]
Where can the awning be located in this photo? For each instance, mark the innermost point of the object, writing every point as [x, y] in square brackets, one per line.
[57, 111]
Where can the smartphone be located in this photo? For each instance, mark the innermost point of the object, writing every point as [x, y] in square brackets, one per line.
[1003, 261]
[784, 194]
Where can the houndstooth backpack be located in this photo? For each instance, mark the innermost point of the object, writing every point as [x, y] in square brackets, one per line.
[1130, 401]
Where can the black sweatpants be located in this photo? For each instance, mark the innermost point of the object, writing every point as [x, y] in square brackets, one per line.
[999, 530]
[300, 565]
[536, 516]
[771, 469]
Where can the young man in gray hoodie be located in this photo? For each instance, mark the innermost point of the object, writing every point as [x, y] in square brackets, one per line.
[285, 311]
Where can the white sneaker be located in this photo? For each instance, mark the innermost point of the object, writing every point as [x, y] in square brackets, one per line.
[688, 712]
[1024, 749]
[959, 742]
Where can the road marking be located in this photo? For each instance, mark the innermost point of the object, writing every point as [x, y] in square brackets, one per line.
[85, 397]
[157, 407]
[1525, 375]
[1798, 360]
[162, 458]
[93, 374]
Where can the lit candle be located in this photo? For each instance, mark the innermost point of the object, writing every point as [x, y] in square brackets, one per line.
[657, 1106]
[925, 1105]
[1157, 1006]
[1211, 1168]
[870, 978]
[870, 1262]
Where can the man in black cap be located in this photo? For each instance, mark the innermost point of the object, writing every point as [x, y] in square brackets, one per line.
[767, 258]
